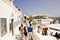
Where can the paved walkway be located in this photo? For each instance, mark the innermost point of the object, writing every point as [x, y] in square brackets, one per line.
[8, 37]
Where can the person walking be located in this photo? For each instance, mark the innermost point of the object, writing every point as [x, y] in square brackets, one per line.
[25, 32]
[30, 30]
[21, 29]
[38, 30]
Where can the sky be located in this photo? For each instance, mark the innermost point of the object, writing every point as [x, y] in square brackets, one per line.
[29, 7]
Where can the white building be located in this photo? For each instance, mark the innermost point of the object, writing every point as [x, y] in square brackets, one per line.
[10, 18]
[42, 19]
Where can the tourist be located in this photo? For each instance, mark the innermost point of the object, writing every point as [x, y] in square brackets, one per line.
[38, 29]
[21, 29]
[30, 30]
[25, 32]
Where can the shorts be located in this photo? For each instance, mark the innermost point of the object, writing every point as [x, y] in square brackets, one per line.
[25, 33]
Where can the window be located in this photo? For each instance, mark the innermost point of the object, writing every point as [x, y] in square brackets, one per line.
[3, 24]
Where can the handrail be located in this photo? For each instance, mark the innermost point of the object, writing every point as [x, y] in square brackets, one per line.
[55, 29]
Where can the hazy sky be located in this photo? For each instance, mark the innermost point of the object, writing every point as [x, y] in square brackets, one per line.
[51, 7]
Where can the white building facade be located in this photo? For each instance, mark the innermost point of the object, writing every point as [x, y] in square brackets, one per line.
[10, 18]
